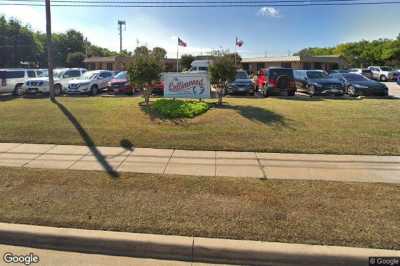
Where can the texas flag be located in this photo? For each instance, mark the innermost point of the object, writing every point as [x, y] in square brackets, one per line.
[239, 42]
[181, 43]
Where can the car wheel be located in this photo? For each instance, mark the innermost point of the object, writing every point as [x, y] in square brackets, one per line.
[18, 91]
[57, 90]
[292, 93]
[351, 91]
[266, 93]
[93, 90]
[383, 78]
[311, 90]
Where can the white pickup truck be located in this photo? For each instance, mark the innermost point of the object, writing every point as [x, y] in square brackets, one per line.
[61, 78]
[382, 73]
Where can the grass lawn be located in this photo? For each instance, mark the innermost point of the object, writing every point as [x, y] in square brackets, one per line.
[298, 125]
[313, 212]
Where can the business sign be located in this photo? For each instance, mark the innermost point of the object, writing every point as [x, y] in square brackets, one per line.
[187, 85]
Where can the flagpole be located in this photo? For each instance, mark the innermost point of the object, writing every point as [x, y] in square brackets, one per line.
[235, 49]
[177, 57]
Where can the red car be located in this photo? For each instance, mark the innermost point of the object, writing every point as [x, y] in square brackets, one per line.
[120, 84]
[276, 80]
[158, 88]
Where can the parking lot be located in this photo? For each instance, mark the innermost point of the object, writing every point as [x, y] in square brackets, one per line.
[394, 89]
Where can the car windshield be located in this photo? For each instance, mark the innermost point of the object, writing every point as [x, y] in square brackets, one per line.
[386, 68]
[354, 77]
[121, 75]
[43, 74]
[241, 75]
[58, 73]
[316, 75]
[89, 75]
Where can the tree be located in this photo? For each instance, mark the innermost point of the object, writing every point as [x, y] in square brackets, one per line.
[141, 50]
[159, 52]
[186, 61]
[221, 72]
[75, 59]
[145, 70]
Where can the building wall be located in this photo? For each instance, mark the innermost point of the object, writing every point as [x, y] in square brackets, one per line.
[254, 67]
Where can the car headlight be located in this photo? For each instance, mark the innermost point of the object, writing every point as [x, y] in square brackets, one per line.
[358, 86]
[126, 84]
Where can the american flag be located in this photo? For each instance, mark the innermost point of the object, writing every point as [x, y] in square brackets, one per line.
[181, 43]
[239, 42]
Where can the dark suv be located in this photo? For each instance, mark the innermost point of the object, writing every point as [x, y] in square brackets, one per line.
[276, 81]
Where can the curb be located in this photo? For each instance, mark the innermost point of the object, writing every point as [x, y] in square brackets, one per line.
[196, 249]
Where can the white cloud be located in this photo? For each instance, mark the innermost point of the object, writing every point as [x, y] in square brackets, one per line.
[268, 11]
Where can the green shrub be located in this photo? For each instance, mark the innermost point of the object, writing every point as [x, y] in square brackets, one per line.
[179, 109]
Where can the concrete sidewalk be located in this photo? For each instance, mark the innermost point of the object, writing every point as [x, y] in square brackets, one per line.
[363, 168]
[183, 248]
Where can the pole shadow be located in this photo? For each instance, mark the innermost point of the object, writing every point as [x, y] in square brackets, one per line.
[88, 140]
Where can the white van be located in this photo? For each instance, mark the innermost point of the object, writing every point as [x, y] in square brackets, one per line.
[200, 65]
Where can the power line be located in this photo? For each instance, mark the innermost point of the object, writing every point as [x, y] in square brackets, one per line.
[195, 5]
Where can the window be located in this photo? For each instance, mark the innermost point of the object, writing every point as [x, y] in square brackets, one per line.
[260, 66]
[15, 74]
[109, 66]
[31, 73]
[105, 74]
[286, 64]
[307, 66]
[72, 74]
[317, 65]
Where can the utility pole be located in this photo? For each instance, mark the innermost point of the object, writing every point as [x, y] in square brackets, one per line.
[120, 23]
[49, 50]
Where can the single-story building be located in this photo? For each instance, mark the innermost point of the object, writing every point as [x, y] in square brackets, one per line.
[121, 63]
[327, 62]
[114, 63]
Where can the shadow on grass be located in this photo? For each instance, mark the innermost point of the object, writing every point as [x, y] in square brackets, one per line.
[88, 140]
[256, 114]
[7, 97]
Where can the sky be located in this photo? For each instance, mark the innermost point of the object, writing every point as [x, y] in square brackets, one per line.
[265, 31]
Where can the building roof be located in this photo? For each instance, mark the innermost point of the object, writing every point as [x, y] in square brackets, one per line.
[294, 58]
[107, 59]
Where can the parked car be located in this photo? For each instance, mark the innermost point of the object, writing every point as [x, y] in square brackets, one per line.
[157, 87]
[382, 73]
[12, 80]
[357, 85]
[333, 71]
[120, 84]
[362, 71]
[61, 78]
[317, 82]
[275, 80]
[91, 82]
[242, 84]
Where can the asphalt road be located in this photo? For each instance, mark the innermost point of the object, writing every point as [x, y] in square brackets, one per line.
[63, 258]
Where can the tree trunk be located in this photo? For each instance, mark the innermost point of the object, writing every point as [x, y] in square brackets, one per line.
[146, 94]
[220, 93]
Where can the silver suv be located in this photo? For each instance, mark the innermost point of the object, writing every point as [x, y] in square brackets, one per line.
[13, 79]
[383, 73]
